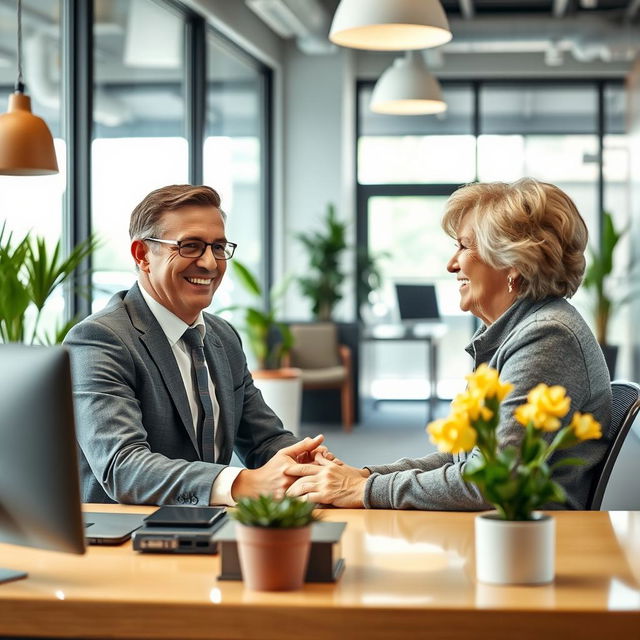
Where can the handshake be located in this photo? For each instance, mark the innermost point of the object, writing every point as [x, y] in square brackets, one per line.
[307, 470]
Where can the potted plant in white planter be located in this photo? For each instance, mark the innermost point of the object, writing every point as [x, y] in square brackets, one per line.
[274, 541]
[514, 544]
[270, 340]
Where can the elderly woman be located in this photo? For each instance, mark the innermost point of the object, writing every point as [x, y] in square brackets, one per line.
[519, 254]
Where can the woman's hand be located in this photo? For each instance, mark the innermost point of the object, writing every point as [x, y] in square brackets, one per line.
[327, 482]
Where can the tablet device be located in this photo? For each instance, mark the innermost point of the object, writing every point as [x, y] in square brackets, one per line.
[173, 516]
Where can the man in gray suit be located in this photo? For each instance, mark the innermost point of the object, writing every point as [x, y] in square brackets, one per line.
[156, 423]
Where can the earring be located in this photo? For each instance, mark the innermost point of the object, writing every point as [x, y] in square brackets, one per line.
[510, 284]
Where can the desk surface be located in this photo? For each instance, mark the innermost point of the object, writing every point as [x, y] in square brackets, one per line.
[408, 575]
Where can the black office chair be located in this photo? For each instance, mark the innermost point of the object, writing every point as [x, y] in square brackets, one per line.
[624, 409]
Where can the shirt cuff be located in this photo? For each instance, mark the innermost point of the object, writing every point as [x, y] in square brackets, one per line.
[221, 489]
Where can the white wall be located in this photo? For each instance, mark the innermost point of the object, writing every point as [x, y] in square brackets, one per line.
[319, 140]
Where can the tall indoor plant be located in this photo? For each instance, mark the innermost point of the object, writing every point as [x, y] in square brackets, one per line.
[515, 543]
[274, 541]
[324, 281]
[595, 280]
[29, 275]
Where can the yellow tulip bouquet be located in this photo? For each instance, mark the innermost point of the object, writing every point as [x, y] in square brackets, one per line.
[516, 480]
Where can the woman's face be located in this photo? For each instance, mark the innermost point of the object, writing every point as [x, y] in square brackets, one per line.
[484, 290]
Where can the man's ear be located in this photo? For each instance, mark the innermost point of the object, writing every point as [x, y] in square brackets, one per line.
[139, 251]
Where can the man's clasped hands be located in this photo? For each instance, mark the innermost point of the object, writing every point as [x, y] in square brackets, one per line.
[307, 470]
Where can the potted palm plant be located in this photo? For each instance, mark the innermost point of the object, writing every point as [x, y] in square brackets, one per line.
[595, 280]
[29, 274]
[270, 340]
[274, 541]
[514, 544]
[325, 248]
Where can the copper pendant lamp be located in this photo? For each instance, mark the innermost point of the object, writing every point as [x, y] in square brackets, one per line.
[26, 144]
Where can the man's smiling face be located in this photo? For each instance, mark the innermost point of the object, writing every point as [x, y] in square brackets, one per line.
[184, 286]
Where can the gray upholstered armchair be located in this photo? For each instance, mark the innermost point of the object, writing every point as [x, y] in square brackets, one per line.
[325, 364]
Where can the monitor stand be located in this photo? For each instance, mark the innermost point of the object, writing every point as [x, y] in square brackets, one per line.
[7, 575]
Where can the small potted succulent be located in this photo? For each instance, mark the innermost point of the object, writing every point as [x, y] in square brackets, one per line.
[274, 541]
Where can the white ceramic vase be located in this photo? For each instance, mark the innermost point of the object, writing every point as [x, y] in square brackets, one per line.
[515, 552]
[282, 391]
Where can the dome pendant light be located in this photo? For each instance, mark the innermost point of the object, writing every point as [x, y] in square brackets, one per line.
[390, 25]
[26, 144]
[407, 88]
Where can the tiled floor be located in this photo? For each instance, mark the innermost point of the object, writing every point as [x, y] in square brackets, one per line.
[394, 429]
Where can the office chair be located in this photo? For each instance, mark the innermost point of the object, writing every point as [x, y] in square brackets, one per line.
[624, 409]
[325, 364]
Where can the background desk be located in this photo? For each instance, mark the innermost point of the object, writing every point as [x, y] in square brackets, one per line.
[408, 575]
[429, 333]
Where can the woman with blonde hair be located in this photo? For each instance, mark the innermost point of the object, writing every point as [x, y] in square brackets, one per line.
[519, 254]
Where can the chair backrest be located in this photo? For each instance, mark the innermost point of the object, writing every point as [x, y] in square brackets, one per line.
[315, 345]
[624, 409]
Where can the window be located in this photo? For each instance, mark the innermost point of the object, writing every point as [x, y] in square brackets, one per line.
[35, 204]
[139, 126]
[408, 165]
[234, 156]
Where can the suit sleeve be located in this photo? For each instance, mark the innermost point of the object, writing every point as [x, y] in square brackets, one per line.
[110, 428]
[540, 352]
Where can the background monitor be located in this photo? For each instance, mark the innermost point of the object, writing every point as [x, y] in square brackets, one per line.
[39, 485]
[417, 302]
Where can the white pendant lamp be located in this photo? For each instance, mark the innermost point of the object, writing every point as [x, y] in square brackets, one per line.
[407, 88]
[26, 144]
[390, 25]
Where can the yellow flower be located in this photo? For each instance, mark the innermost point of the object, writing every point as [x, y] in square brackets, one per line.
[552, 401]
[453, 434]
[471, 402]
[526, 413]
[585, 427]
[487, 381]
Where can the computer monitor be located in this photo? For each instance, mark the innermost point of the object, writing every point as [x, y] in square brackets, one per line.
[417, 302]
[39, 485]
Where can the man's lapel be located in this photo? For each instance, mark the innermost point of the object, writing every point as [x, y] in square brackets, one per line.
[157, 345]
[223, 382]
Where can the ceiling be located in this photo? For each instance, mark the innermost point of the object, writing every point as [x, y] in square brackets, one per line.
[615, 9]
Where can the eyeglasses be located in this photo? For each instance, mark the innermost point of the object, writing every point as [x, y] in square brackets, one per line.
[196, 248]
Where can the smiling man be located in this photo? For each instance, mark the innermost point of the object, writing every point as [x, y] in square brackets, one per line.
[162, 391]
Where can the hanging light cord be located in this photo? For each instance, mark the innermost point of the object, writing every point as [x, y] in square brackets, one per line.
[19, 82]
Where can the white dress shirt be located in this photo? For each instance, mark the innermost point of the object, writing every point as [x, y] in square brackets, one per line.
[174, 329]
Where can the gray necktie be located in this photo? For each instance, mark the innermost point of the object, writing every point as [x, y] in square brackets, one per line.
[193, 340]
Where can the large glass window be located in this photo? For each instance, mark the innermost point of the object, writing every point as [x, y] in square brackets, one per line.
[417, 149]
[234, 156]
[407, 165]
[139, 125]
[35, 204]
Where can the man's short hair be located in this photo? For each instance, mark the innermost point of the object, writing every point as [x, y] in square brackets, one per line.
[146, 218]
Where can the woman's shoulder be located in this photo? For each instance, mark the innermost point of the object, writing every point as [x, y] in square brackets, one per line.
[554, 321]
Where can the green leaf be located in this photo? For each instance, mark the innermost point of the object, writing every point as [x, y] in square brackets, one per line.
[247, 279]
[567, 462]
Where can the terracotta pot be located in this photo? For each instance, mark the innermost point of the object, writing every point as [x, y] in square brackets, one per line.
[273, 559]
[515, 552]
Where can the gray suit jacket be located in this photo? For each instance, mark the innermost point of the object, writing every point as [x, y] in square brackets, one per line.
[532, 342]
[134, 426]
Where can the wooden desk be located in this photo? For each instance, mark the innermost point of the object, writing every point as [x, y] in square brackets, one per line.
[408, 575]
